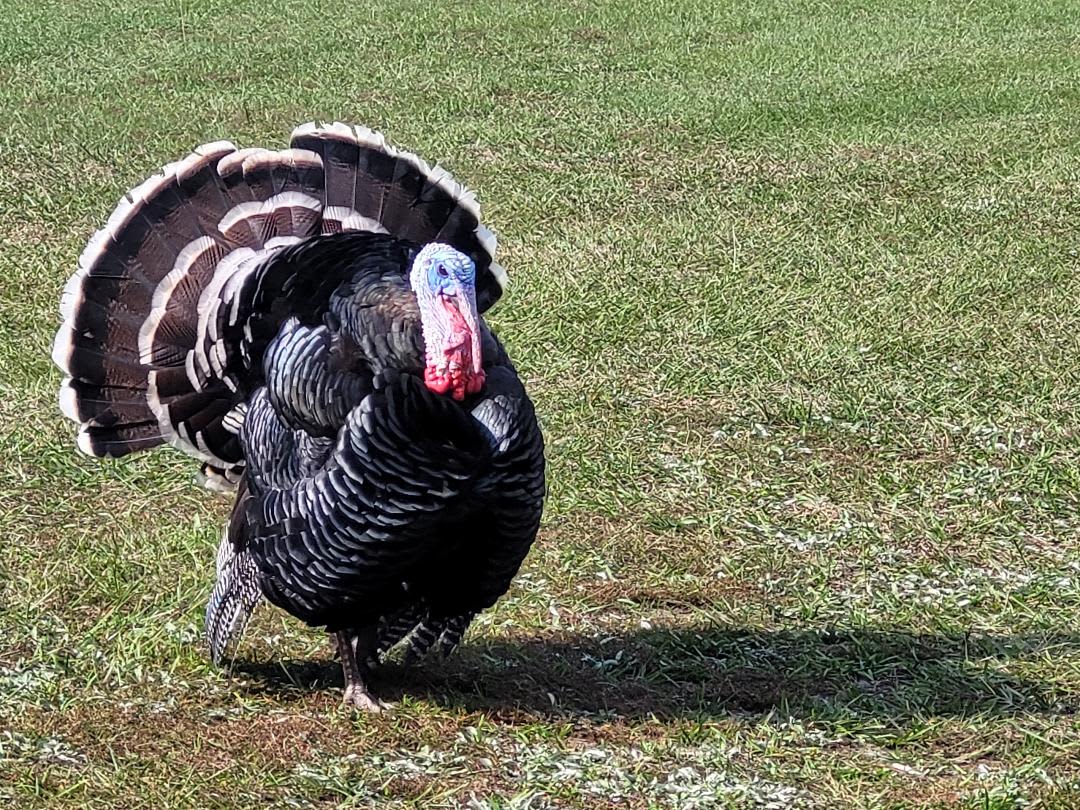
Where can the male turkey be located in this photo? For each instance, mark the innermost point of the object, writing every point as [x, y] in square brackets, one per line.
[307, 323]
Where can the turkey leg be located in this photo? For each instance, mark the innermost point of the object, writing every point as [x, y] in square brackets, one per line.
[356, 647]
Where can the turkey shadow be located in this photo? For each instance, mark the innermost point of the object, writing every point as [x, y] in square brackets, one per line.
[706, 672]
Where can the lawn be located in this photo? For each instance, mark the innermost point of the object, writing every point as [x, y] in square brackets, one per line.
[796, 290]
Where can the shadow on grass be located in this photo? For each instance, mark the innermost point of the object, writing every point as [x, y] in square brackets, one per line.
[706, 672]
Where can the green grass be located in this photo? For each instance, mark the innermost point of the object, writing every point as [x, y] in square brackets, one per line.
[795, 289]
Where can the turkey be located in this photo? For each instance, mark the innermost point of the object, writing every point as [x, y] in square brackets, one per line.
[307, 323]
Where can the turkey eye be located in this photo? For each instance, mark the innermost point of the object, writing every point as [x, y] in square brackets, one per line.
[442, 270]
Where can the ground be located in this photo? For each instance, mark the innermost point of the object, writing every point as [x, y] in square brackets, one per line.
[795, 289]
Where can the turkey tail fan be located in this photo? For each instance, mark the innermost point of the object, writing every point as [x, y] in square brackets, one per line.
[148, 345]
[122, 274]
[147, 290]
[372, 186]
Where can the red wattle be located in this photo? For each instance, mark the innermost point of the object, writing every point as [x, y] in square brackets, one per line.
[454, 380]
[451, 367]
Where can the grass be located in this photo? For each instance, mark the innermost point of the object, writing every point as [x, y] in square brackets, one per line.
[795, 291]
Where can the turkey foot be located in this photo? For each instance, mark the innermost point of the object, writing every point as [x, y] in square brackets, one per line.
[354, 648]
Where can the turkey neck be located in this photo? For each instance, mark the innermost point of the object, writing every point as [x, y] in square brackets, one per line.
[384, 322]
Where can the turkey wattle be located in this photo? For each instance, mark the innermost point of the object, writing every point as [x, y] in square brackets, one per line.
[308, 324]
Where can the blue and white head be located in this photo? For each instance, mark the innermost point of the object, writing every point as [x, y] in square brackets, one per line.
[444, 281]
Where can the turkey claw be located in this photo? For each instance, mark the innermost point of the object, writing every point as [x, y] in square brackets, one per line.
[357, 698]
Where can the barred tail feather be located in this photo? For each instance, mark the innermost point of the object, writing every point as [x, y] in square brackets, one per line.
[442, 634]
[235, 596]
[421, 632]
[421, 639]
[148, 289]
[452, 633]
[392, 629]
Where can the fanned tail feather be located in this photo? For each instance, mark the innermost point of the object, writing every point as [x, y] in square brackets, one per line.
[142, 345]
[372, 186]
